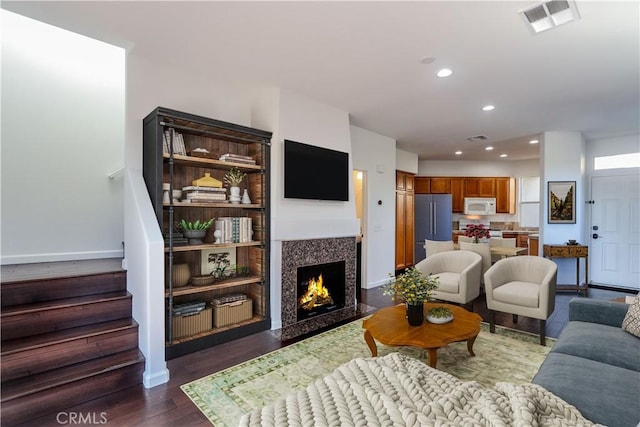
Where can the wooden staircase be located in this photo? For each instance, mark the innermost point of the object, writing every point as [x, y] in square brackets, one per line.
[65, 341]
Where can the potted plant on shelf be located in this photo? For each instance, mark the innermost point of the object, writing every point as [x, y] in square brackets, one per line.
[477, 231]
[414, 288]
[195, 230]
[233, 178]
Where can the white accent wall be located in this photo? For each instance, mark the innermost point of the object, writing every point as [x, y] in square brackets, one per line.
[370, 151]
[62, 136]
[562, 154]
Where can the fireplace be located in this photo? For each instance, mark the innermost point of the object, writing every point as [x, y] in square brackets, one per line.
[304, 261]
[320, 289]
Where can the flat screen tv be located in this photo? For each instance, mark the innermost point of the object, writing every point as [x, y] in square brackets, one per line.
[316, 173]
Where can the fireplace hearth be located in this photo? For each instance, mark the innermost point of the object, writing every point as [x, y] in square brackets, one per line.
[318, 284]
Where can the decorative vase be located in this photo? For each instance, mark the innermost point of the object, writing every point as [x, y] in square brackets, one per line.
[234, 196]
[194, 236]
[415, 314]
[245, 198]
[181, 275]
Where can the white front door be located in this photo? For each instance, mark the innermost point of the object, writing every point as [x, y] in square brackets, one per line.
[615, 231]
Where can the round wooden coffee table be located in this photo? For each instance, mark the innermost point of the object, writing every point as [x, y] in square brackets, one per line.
[389, 326]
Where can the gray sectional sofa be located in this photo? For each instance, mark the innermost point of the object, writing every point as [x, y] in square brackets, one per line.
[595, 365]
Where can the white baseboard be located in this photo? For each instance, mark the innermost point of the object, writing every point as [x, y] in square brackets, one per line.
[150, 380]
[58, 257]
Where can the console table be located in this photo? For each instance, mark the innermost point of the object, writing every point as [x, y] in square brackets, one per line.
[571, 251]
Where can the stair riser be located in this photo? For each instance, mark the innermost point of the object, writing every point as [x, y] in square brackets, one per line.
[33, 291]
[44, 358]
[54, 319]
[66, 396]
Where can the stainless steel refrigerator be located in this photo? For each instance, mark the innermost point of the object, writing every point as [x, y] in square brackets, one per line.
[432, 220]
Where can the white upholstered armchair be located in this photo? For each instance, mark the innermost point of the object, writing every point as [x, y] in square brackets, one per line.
[522, 285]
[458, 273]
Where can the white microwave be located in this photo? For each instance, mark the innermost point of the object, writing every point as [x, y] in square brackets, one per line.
[479, 205]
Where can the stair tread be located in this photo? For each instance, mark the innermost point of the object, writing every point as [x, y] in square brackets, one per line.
[67, 302]
[80, 332]
[19, 387]
[59, 269]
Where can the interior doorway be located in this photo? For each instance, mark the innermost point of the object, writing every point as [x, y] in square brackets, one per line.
[359, 184]
[614, 232]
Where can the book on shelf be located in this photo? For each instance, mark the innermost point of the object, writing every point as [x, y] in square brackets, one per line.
[234, 229]
[206, 189]
[178, 142]
[205, 195]
[237, 158]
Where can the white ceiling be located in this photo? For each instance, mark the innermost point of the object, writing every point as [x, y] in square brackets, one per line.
[365, 58]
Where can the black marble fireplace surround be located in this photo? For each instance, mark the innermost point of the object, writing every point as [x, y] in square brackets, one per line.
[300, 253]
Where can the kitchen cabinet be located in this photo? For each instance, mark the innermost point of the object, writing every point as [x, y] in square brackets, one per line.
[422, 185]
[505, 195]
[405, 200]
[440, 185]
[457, 195]
[404, 181]
[480, 187]
[185, 153]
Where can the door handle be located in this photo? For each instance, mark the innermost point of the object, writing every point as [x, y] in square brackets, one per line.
[595, 235]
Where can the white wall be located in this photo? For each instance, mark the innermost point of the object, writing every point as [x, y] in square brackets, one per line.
[62, 135]
[406, 162]
[609, 147]
[293, 116]
[476, 168]
[562, 154]
[378, 252]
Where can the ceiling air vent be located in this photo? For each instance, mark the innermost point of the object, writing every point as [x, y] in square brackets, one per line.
[547, 15]
[477, 138]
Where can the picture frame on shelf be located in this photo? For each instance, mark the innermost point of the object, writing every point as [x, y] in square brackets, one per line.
[561, 201]
[219, 262]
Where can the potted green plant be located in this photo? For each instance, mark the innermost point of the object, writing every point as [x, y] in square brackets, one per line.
[414, 288]
[439, 314]
[233, 178]
[195, 230]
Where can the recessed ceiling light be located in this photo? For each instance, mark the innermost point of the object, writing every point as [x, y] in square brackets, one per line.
[457, 153]
[489, 148]
[503, 155]
[445, 72]
[533, 141]
[488, 108]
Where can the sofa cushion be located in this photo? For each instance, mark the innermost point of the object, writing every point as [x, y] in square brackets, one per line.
[518, 293]
[631, 322]
[602, 393]
[606, 344]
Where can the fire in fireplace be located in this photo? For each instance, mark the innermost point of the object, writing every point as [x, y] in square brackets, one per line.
[321, 289]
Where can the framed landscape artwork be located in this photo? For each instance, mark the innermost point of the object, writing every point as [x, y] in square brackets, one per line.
[562, 201]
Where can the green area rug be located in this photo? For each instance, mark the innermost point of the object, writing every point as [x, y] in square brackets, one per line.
[223, 397]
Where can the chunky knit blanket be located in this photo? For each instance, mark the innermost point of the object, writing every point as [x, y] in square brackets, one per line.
[396, 390]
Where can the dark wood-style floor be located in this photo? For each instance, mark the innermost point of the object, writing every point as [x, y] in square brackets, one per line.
[167, 405]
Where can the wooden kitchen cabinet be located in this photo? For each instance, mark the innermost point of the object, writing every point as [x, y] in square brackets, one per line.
[405, 199]
[404, 181]
[457, 195]
[440, 185]
[505, 195]
[422, 185]
[480, 187]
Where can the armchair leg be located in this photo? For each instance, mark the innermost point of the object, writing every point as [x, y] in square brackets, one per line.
[543, 332]
[492, 321]
[514, 317]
